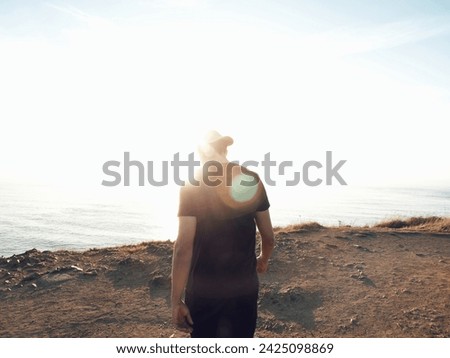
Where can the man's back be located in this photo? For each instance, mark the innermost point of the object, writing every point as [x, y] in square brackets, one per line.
[224, 261]
[214, 269]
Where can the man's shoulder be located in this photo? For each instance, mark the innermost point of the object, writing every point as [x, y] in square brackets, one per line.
[247, 171]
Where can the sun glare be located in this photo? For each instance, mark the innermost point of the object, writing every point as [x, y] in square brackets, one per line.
[102, 87]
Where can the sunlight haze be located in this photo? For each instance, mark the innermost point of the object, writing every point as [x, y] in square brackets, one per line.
[83, 82]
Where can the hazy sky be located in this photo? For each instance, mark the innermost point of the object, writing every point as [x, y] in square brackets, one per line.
[83, 81]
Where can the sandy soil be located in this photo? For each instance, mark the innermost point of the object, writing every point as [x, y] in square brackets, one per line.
[322, 282]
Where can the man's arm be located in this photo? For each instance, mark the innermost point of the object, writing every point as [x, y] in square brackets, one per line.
[267, 239]
[181, 264]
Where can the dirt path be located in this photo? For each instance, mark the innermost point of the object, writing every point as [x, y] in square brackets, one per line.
[334, 282]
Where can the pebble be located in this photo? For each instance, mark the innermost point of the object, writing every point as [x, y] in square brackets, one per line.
[31, 277]
[32, 251]
[359, 234]
[64, 269]
[76, 268]
[362, 248]
[91, 272]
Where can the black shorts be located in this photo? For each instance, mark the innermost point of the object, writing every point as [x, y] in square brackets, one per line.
[223, 318]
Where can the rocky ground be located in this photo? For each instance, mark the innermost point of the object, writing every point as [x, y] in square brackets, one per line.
[322, 282]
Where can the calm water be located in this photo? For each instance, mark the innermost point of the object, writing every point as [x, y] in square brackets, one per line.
[47, 219]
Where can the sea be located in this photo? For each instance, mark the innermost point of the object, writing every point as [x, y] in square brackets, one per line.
[46, 217]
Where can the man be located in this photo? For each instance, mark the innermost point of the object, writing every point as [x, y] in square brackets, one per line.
[214, 263]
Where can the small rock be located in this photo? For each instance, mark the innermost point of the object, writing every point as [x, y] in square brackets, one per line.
[32, 251]
[7, 282]
[90, 272]
[159, 281]
[31, 277]
[360, 234]
[65, 269]
[359, 247]
[34, 285]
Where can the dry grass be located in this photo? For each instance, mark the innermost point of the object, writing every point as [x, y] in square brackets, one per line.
[432, 223]
[309, 226]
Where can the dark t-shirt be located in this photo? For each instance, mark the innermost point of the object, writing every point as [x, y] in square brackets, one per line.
[224, 260]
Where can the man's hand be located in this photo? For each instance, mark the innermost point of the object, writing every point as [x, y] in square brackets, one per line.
[181, 317]
[262, 264]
